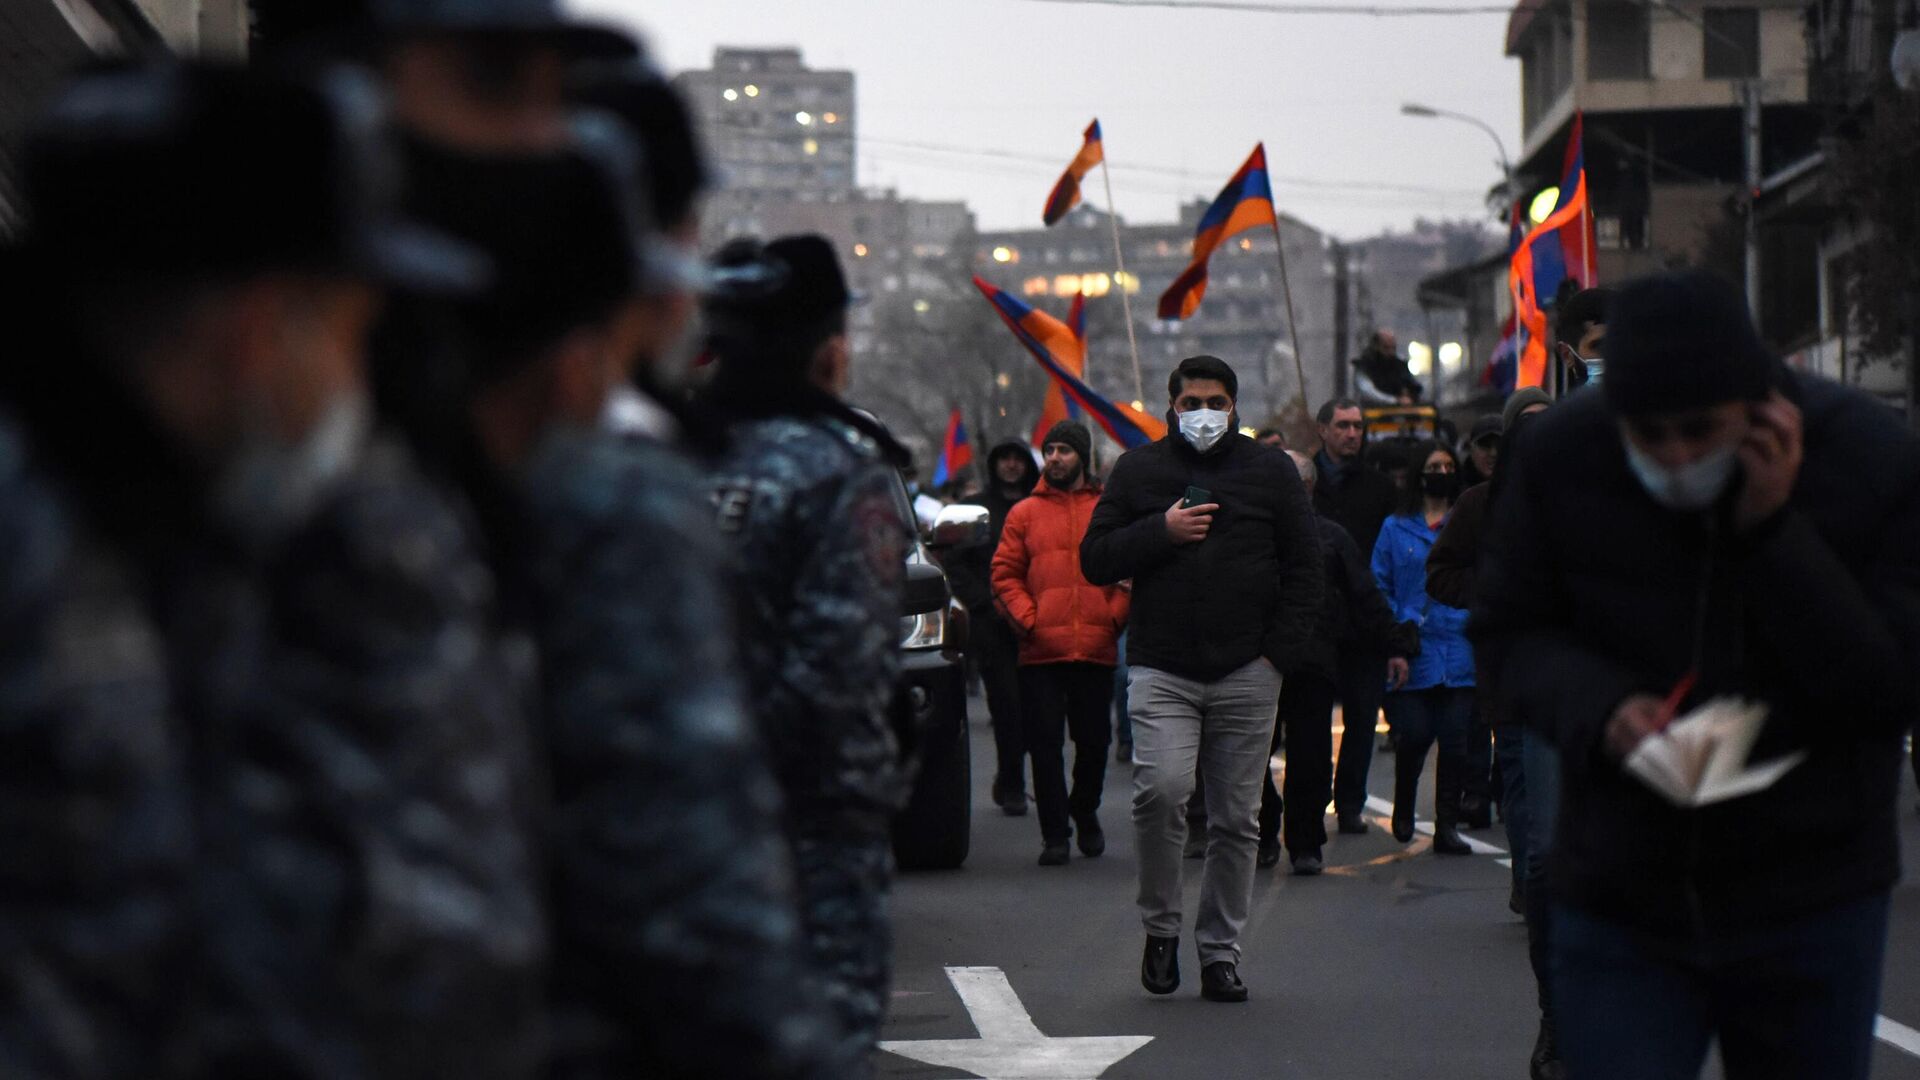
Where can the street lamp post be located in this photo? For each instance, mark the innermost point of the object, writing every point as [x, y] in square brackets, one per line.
[1506, 164]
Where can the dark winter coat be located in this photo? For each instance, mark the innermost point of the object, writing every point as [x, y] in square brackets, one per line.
[970, 570]
[1353, 613]
[1355, 496]
[1251, 589]
[1591, 592]
[1452, 562]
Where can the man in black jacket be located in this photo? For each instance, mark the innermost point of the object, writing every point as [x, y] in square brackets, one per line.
[1011, 475]
[1217, 535]
[1709, 524]
[1358, 498]
[1352, 613]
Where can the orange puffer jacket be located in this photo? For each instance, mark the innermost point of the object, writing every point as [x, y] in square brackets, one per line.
[1038, 586]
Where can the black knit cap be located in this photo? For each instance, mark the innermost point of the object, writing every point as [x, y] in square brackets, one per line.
[1681, 341]
[1074, 435]
[778, 288]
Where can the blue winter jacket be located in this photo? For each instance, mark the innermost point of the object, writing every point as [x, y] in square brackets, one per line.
[1400, 566]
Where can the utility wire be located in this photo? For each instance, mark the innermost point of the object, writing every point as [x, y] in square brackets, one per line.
[1270, 7]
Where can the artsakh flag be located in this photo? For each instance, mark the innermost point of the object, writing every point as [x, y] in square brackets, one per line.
[1049, 339]
[1245, 203]
[1058, 406]
[1559, 249]
[1066, 193]
[957, 454]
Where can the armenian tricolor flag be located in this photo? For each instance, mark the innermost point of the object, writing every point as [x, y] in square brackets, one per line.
[1049, 339]
[1058, 406]
[1066, 193]
[1245, 203]
[956, 454]
[1559, 249]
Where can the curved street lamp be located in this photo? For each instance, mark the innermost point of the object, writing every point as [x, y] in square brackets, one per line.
[1428, 112]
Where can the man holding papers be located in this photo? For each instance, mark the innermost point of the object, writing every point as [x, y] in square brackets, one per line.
[1703, 586]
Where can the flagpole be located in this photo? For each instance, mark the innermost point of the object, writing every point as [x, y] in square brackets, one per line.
[1293, 325]
[1120, 267]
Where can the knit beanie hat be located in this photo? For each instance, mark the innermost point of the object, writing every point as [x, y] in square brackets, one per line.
[1523, 399]
[1074, 435]
[1680, 341]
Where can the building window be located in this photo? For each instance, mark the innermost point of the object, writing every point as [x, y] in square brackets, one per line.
[1616, 40]
[1731, 43]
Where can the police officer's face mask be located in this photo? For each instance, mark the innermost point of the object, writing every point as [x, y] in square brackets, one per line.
[270, 486]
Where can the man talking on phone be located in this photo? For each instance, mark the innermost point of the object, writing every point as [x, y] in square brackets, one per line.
[1218, 537]
[1712, 525]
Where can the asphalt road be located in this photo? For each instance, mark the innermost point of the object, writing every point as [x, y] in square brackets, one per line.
[1395, 963]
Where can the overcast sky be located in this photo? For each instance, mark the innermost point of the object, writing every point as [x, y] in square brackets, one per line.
[1004, 87]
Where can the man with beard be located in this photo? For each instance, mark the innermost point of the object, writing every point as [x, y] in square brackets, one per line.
[1068, 630]
[1011, 476]
[1216, 533]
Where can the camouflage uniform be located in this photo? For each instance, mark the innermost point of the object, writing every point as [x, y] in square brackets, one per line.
[94, 849]
[365, 881]
[819, 555]
[677, 952]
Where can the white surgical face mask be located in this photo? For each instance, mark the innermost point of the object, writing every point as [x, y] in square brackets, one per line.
[269, 488]
[1202, 428]
[1693, 486]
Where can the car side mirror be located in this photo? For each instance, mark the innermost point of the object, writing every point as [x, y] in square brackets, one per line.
[925, 590]
[961, 527]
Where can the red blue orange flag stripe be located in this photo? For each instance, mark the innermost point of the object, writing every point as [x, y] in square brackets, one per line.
[1245, 203]
[1049, 339]
[1066, 193]
[1057, 406]
[957, 454]
[1557, 250]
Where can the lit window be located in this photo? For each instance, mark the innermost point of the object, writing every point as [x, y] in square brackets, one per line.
[921, 307]
[811, 146]
[803, 118]
[859, 251]
[731, 94]
[1004, 254]
[1246, 244]
[1003, 380]
[1066, 284]
[1096, 284]
[1129, 282]
[1419, 357]
[831, 118]
[1034, 286]
[752, 90]
[1450, 354]
[1138, 407]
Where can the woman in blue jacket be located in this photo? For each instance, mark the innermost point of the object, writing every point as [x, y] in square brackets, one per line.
[1437, 701]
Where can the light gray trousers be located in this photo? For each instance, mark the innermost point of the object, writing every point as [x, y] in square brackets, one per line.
[1224, 730]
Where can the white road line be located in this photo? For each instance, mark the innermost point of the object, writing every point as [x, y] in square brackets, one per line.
[1010, 1047]
[1480, 847]
[1897, 1035]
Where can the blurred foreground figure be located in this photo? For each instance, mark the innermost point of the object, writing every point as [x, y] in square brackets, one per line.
[1712, 525]
[807, 496]
[355, 896]
[675, 944]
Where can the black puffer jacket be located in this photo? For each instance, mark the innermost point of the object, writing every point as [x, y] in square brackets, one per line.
[1354, 613]
[1252, 588]
[1355, 496]
[1590, 592]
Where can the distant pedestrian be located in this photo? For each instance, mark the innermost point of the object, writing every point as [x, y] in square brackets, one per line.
[1068, 630]
[1580, 330]
[1272, 438]
[1712, 524]
[1381, 376]
[1352, 494]
[1218, 537]
[1353, 611]
[1481, 451]
[1436, 702]
[1011, 476]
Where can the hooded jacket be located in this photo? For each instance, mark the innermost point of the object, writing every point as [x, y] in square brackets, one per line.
[1059, 616]
[971, 570]
[1590, 592]
[1251, 589]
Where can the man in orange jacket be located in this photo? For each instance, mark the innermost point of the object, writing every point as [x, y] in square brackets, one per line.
[1069, 631]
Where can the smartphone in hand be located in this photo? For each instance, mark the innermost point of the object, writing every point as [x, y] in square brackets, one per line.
[1196, 497]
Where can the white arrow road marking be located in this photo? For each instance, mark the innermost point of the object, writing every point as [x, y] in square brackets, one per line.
[1009, 1046]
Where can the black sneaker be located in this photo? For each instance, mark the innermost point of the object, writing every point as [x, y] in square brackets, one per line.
[1055, 854]
[1269, 854]
[1353, 824]
[1012, 803]
[1093, 839]
[1220, 981]
[1160, 967]
[1308, 864]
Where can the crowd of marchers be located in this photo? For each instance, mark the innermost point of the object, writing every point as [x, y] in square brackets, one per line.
[427, 650]
[1689, 522]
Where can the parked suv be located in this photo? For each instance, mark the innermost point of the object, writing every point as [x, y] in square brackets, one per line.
[934, 832]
